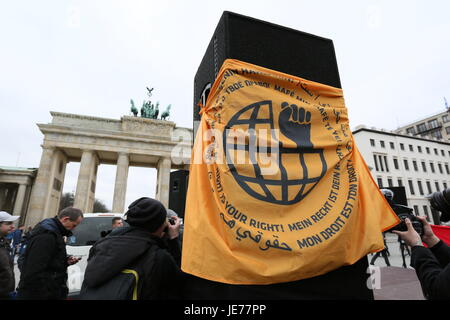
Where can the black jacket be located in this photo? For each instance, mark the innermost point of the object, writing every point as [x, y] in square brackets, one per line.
[116, 252]
[44, 272]
[433, 270]
[7, 281]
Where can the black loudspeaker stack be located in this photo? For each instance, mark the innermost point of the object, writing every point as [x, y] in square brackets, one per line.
[399, 195]
[178, 188]
[268, 45]
[296, 53]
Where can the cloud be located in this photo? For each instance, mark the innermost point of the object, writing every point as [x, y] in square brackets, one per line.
[92, 57]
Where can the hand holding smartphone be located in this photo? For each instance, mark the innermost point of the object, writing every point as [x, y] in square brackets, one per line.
[71, 260]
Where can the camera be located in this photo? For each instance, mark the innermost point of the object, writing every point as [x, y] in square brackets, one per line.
[440, 201]
[402, 212]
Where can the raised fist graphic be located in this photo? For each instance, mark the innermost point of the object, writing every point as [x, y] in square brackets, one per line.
[295, 124]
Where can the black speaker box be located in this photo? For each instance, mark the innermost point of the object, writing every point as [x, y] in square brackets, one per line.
[267, 45]
[178, 189]
[399, 195]
[299, 54]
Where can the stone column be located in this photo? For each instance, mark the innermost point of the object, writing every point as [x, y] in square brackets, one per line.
[2, 196]
[26, 203]
[163, 184]
[85, 192]
[20, 200]
[11, 195]
[57, 183]
[41, 188]
[120, 188]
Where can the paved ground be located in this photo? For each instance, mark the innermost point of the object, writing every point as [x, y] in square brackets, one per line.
[395, 282]
[388, 283]
[395, 257]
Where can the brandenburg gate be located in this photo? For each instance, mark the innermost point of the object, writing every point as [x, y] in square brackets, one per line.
[130, 141]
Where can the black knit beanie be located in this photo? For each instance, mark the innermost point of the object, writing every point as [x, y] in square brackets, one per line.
[146, 213]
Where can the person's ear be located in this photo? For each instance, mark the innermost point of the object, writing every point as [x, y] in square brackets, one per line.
[64, 220]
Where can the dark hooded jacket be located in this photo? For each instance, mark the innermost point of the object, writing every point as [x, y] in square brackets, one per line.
[6, 269]
[44, 272]
[128, 246]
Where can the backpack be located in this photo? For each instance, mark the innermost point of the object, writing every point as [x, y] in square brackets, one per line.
[127, 284]
[26, 241]
[23, 246]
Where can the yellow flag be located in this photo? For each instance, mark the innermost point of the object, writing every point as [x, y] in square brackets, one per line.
[278, 190]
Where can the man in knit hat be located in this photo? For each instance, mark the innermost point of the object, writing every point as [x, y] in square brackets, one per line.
[150, 242]
[7, 281]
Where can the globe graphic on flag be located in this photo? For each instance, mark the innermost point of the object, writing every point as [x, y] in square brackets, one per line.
[273, 160]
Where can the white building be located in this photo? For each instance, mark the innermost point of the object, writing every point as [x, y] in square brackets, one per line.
[420, 165]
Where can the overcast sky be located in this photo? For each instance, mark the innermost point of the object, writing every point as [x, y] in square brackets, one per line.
[92, 57]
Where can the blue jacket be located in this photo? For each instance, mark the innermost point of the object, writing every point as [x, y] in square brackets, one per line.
[16, 237]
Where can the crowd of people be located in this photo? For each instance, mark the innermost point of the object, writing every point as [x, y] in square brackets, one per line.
[142, 260]
[150, 244]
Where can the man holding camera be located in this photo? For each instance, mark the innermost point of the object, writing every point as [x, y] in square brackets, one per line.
[149, 246]
[432, 264]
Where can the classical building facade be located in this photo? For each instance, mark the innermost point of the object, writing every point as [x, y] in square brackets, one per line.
[15, 189]
[420, 165]
[436, 126]
[130, 141]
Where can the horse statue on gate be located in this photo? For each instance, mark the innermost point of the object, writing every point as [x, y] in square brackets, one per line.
[148, 109]
[166, 113]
